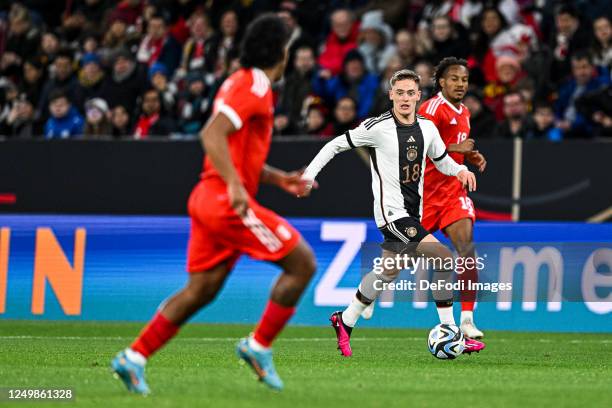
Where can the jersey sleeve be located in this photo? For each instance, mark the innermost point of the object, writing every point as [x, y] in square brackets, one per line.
[361, 136]
[331, 148]
[438, 154]
[239, 104]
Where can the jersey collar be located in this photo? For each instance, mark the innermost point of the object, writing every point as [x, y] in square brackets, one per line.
[459, 111]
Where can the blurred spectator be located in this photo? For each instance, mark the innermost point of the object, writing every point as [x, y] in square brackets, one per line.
[508, 72]
[90, 81]
[21, 121]
[544, 123]
[90, 43]
[535, 59]
[97, 122]
[227, 68]
[49, 47]
[297, 36]
[341, 40]
[482, 120]
[128, 10]
[159, 46]
[298, 85]
[381, 99]
[482, 60]
[405, 47]
[517, 122]
[426, 71]
[354, 81]
[585, 78]
[194, 104]
[602, 46]
[345, 117]
[158, 77]
[82, 16]
[125, 83]
[200, 50]
[119, 35]
[570, 36]
[315, 120]
[446, 40]
[62, 78]
[32, 80]
[153, 122]
[5, 110]
[227, 39]
[376, 41]
[597, 105]
[120, 119]
[22, 41]
[64, 122]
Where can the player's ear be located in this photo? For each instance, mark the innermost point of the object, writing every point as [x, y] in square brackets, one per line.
[390, 94]
[419, 94]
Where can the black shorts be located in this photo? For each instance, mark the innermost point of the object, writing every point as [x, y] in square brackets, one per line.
[403, 234]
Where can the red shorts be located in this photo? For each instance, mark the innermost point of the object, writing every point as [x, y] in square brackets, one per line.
[219, 235]
[442, 214]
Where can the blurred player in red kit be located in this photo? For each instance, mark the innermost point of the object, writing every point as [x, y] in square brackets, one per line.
[227, 222]
[446, 206]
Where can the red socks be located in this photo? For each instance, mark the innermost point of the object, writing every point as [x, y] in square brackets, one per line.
[160, 329]
[468, 297]
[274, 318]
[154, 335]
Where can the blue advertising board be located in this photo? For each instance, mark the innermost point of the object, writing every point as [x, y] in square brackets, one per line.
[123, 267]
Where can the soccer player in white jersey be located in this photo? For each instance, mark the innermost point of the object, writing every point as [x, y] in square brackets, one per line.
[399, 142]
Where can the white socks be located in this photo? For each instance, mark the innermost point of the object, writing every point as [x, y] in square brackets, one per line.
[135, 357]
[445, 314]
[352, 312]
[467, 315]
[255, 345]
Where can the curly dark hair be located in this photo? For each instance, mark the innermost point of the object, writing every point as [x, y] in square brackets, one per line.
[443, 66]
[264, 43]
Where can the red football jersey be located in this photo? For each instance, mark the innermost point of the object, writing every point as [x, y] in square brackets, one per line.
[454, 126]
[246, 99]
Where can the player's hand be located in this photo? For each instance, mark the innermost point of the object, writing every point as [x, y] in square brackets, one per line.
[294, 184]
[467, 179]
[238, 198]
[464, 147]
[477, 159]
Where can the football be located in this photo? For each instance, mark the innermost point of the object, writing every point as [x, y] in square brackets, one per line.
[446, 341]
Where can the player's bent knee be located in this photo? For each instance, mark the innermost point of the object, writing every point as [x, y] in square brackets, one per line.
[301, 261]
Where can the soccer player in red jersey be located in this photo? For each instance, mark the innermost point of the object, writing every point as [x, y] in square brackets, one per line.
[447, 206]
[227, 222]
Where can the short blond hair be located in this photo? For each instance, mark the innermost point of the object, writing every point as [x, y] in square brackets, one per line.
[405, 74]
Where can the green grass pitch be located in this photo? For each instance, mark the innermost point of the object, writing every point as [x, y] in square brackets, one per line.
[389, 368]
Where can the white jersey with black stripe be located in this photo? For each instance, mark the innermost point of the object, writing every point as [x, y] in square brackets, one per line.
[397, 161]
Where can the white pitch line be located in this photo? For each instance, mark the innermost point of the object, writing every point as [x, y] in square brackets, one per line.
[292, 339]
[297, 339]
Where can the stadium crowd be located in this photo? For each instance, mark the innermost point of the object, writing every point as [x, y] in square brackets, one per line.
[138, 69]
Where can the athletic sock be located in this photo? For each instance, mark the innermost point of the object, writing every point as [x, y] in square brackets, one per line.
[153, 337]
[352, 312]
[273, 320]
[467, 315]
[135, 357]
[446, 315]
[468, 296]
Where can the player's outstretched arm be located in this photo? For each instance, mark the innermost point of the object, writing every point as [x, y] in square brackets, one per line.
[331, 148]
[214, 139]
[445, 164]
